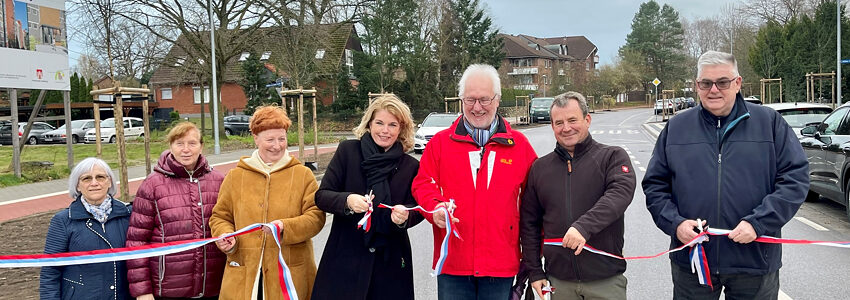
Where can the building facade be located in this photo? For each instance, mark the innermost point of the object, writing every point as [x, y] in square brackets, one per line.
[548, 66]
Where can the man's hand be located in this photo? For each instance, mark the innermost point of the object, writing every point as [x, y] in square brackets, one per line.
[279, 224]
[440, 215]
[538, 287]
[145, 297]
[359, 203]
[743, 233]
[687, 230]
[225, 245]
[574, 240]
[399, 214]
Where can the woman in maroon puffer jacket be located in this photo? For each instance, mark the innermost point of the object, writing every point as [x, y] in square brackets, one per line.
[172, 204]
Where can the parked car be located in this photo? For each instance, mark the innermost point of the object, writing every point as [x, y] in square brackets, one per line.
[33, 138]
[133, 128]
[78, 132]
[433, 123]
[236, 124]
[827, 147]
[662, 104]
[538, 109]
[753, 99]
[690, 101]
[799, 114]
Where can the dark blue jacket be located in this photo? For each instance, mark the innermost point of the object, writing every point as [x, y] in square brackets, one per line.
[74, 229]
[747, 166]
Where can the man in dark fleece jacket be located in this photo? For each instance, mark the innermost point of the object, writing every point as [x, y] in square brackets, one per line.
[576, 194]
[737, 165]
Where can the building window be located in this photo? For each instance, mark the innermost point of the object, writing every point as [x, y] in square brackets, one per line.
[166, 94]
[201, 61]
[197, 92]
[548, 63]
[587, 66]
[320, 53]
[244, 56]
[180, 61]
[266, 55]
[349, 61]
[561, 72]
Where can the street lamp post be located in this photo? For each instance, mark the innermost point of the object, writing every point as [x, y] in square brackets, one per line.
[544, 85]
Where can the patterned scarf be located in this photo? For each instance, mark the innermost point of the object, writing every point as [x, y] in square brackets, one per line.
[481, 136]
[99, 212]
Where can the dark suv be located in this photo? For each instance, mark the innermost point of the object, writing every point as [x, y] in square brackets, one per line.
[236, 124]
[827, 147]
[538, 109]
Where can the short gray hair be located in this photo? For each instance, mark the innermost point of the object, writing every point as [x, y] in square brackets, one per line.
[484, 69]
[86, 166]
[713, 58]
[563, 99]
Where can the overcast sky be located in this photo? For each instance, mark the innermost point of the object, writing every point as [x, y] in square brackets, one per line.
[604, 22]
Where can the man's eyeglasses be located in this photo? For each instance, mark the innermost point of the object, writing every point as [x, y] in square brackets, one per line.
[721, 84]
[88, 179]
[484, 101]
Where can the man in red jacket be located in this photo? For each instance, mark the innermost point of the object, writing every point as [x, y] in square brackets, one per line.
[480, 164]
[577, 194]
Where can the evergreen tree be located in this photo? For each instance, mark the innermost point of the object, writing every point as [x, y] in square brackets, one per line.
[657, 36]
[254, 79]
[75, 87]
[467, 36]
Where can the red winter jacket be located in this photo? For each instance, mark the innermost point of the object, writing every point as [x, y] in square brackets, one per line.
[172, 205]
[487, 199]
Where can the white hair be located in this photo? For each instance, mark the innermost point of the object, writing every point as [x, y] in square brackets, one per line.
[483, 69]
[86, 166]
[713, 58]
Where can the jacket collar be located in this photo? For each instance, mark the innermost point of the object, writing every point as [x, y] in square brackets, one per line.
[76, 211]
[254, 163]
[169, 166]
[738, 110]
[581, 148]
[501, 136]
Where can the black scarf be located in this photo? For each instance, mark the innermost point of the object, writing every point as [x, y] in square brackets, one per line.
[378, 165]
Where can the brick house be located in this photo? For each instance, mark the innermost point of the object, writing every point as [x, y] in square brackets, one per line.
[555, 64]
[175, 90]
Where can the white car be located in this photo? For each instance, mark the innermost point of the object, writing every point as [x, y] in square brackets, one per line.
[133, 128]
[433, 123]
[799, 114]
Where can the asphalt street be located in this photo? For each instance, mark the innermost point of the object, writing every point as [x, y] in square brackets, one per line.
[808, 272]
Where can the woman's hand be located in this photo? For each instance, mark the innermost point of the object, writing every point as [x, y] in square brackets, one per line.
[359, 203]
[399, 215]
[279, 224]
[226, 244]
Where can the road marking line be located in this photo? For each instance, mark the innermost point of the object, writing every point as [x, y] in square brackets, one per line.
[811, 224]
[632, 156]
[651, 130]
[624, 121]
[642, 169]
[783, 296]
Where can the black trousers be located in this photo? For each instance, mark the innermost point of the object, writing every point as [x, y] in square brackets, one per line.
[734, 286]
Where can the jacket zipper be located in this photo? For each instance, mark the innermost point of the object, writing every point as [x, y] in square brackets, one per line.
[114, 266]
[203, 233]
[720, 135]
[570, 213]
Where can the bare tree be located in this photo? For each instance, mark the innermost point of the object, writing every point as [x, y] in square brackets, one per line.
[782, 11]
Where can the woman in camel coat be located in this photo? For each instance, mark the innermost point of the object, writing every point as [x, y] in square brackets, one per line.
[267, 187]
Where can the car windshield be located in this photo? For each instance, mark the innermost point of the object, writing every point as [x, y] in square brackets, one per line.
[541, 102]
[107, 123]
[74, 124]
[800, 120]
[439, 121]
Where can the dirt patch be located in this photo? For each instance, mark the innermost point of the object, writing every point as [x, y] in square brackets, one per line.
[26, 236]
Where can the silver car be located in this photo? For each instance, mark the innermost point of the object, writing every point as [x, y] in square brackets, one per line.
[33, 138]
[78, 132]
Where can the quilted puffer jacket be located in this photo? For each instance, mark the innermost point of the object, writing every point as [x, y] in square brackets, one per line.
[174, 204]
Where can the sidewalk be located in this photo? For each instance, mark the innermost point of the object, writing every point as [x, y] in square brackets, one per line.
[23, 200]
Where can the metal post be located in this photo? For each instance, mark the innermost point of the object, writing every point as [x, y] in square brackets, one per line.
[16, 152]
[214, 82]
[66, 100]
[98, 147]
[838, 50]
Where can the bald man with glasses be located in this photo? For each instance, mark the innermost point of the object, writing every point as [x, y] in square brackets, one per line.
[735, 165]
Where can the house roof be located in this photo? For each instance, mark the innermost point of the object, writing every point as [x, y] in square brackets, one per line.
[518, 46]
[334, 39]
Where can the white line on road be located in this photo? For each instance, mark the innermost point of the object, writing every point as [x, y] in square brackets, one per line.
[642, 169]
[624, 121]
[632, 156]
[783, 296]
[637, 162]
[811, 224]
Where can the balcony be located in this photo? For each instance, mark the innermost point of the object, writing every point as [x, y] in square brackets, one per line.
[524, 71]
[531, 87]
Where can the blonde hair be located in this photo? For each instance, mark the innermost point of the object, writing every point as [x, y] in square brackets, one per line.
[180, 130]
[398, 109]
[269, 117]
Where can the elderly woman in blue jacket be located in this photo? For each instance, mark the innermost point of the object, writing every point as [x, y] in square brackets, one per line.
[93, 221]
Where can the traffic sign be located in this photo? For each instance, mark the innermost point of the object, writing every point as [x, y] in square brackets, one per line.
[845, 61]
[656, 82]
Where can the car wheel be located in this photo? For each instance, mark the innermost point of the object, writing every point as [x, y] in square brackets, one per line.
[75, 139]
[112, 140]
[847, 199]
[812, 196]
[32, 140]
[227, 132]
[417, 151]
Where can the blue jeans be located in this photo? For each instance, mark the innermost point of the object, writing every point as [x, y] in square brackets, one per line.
[451, 287]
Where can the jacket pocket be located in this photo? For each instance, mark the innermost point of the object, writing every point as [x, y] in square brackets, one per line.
[233, 280]
[295, 254]
[69, 288]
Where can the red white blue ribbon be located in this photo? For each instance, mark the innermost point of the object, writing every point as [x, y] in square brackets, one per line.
[444, 248]
[366, 222]
[150, 250]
